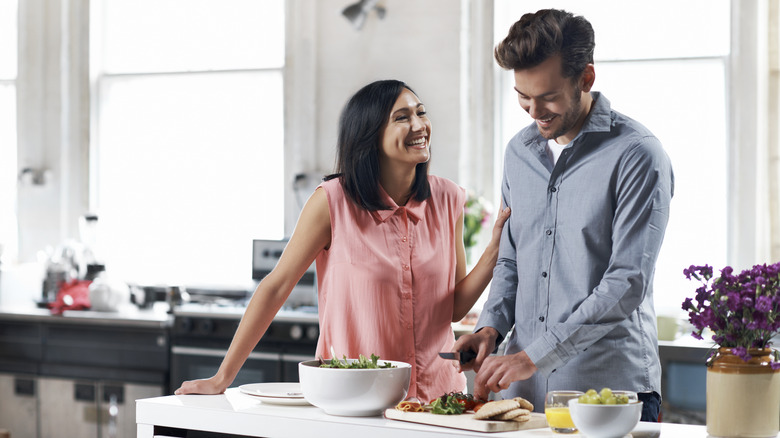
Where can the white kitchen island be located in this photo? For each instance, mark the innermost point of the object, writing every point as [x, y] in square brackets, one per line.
[244, 415]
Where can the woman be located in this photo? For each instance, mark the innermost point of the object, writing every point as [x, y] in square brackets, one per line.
[388, 242]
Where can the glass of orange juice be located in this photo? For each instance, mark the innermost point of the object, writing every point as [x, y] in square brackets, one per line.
[556, 409]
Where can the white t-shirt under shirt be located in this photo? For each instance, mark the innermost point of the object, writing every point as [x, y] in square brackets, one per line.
[554, 150]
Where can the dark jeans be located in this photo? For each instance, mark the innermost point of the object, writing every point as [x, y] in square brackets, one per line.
[651, 406]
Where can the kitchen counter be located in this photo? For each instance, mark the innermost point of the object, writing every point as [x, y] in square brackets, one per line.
[128, 316]
[243, 415]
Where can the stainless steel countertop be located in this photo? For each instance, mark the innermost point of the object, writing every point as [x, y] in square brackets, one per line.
[131, 315]
[197, 310]
[128, 316]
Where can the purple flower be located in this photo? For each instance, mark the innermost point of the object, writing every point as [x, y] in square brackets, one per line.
[764, 303]
[742, 353]
[741, 310]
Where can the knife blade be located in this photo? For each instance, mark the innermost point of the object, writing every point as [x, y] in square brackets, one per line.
[463, 357]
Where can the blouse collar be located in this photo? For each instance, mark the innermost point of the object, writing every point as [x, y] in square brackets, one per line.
[414, 208]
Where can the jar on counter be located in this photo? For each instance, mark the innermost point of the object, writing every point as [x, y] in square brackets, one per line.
[743, 398]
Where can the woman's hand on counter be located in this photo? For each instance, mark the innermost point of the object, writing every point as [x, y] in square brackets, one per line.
[211, 385]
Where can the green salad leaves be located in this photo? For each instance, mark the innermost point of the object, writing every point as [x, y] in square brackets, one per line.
[447, 405]
[361, 363]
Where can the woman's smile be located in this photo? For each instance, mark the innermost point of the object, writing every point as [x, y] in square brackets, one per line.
[407, 134]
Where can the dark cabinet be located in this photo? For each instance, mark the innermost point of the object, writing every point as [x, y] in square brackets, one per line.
[61, 376]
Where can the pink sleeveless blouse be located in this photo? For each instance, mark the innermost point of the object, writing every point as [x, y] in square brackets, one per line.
[386, 283]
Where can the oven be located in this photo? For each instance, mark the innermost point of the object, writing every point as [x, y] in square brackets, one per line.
[200, 339]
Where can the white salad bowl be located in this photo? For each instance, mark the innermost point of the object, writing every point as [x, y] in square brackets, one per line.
[605, 421]
[354, 392]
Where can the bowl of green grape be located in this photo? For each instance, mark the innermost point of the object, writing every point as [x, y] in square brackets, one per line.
[605, 413]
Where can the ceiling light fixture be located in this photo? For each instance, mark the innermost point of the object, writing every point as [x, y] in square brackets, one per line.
[357, 13]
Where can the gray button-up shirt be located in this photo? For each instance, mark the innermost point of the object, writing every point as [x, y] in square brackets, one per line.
[575, 269]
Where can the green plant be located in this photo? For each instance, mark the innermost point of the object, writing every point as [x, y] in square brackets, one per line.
[475, 216]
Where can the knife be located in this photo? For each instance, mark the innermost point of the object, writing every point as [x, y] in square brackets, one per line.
[462, 357]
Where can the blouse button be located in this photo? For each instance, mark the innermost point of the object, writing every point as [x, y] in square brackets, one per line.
[403, 239]
[406, 267]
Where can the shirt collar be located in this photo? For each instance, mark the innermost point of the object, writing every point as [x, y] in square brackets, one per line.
[414, 208]
[599, 120]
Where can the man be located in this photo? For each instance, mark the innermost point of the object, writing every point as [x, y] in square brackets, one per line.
[590, 190]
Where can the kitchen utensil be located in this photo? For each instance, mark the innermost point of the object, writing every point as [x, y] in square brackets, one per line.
[467, 421]
[463, 357]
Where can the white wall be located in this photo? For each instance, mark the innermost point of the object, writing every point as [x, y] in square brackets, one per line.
[427, 44]
[416, 42]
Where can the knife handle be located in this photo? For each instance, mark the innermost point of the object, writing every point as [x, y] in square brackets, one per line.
[467, 356]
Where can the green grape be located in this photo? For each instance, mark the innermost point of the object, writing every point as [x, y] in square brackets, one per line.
[603, 397]
[594, 399]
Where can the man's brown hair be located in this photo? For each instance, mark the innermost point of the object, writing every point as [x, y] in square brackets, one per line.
[549, 32]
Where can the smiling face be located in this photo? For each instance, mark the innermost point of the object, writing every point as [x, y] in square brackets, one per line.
[407, 132]
[559, 105]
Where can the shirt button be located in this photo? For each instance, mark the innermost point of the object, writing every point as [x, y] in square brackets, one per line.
[409, 326]
[541, 318]
[544, 274]
[403, 239]
[548, 232]
[553, 189]
[406, 267]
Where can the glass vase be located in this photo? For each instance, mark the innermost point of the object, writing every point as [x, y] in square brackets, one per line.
[743, 398]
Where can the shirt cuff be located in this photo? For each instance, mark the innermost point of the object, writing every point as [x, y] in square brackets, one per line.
[544, 356]
[488, 318]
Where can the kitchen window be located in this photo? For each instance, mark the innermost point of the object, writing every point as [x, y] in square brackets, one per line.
[674, 80]
[187, 139]
[8, 54]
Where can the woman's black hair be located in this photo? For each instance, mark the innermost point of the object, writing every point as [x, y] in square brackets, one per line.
[360, 138]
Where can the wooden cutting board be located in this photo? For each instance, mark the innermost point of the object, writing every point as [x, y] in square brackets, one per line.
[467, 421]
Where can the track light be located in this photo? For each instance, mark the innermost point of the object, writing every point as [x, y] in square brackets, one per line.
[357, 13]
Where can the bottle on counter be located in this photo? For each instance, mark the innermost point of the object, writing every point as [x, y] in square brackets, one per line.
[88, 234]
[93, 270]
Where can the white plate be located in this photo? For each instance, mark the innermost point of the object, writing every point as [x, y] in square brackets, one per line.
[277, 393]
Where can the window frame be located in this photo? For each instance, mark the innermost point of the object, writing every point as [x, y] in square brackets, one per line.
[54, 112]
[748, 232]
